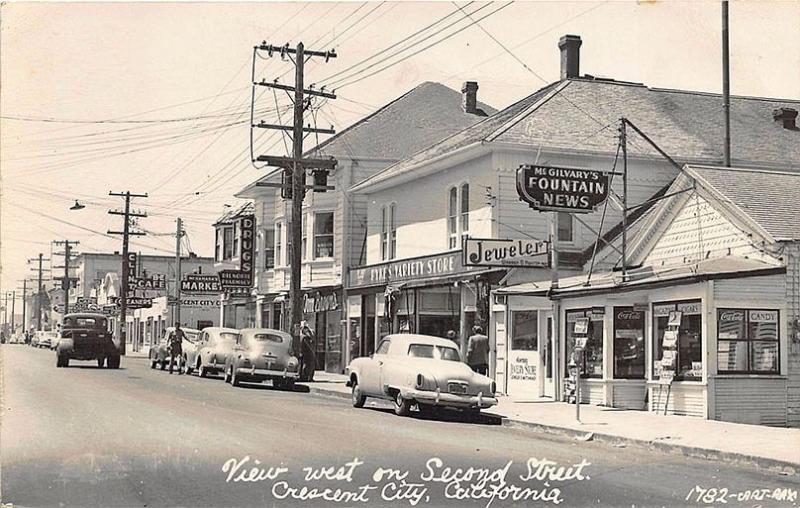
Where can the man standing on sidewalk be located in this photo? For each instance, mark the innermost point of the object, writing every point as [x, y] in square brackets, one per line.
[176, 347]
[478, 351]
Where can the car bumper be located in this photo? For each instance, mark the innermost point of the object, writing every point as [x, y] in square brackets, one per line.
[253, 373]
[439, 398]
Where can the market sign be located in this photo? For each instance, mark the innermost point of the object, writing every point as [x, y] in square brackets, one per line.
[555, 189]
[437, 265]
[197, 284]
[495, 252]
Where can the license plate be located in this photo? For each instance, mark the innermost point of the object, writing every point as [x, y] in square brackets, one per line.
[457, 388]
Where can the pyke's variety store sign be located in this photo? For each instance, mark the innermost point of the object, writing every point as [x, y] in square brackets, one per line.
[438, 265]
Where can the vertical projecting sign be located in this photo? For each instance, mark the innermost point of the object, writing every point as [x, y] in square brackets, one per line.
[247, 225]
[554, 189]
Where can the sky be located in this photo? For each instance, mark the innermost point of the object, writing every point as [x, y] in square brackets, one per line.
[155, 97]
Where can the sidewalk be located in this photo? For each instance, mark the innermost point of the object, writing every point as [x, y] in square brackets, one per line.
[767, 447]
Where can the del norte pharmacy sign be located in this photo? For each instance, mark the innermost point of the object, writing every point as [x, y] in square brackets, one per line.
[554, 189]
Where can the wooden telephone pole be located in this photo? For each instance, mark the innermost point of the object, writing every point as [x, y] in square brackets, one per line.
[294, 168]
[39, 290]
[66, 280]
[126, 234]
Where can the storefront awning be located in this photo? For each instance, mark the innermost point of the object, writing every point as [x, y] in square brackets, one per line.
[640, 278]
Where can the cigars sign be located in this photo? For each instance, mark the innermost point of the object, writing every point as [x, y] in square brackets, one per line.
[495, 252]
[554, 189]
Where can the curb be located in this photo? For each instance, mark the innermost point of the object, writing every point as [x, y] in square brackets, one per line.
[774, 465]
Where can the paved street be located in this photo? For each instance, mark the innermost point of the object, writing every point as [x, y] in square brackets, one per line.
[84, 436]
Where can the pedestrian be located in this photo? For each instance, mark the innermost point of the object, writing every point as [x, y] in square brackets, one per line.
[451, 335]
[175, 346]
[478, 351]
[308, 357]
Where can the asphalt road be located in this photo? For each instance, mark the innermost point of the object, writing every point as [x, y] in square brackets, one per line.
[85, 436]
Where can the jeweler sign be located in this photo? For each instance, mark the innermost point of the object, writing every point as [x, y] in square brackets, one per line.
[554, 189]
[494, 252]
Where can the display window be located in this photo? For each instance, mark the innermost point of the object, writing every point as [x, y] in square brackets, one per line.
[524, 330]
[688, 319]
[629, 343]
[747, 341]
[592, 358]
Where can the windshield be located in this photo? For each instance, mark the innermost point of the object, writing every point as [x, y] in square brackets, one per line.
[51, 334]
[228, 337]
[436, 352]
[84, 322]
[268, 337]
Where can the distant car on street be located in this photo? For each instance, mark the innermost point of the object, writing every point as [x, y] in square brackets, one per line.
[420, 370]
[46, 339]
[35, 339]
[262, 354]
[211, 351]
[85, 336]
[159, 352]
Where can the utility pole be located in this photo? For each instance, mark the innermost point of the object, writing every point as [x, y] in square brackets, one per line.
[24, 301]
[726, 85]
[5, 310]
[66, 281]
[294, 181]
[39, 290]
[126, 233]
[623, 139]
[13, 308]
[178, 275]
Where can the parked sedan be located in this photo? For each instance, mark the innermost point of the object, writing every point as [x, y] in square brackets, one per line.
[159, 352]
[419, 370]
[262, 354]
[48, 339]
[211, 351]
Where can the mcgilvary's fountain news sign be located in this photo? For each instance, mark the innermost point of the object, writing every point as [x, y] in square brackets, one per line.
[547, 188]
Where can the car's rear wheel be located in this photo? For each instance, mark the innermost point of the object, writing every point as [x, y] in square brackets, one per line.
[358, 398]
[187, 369]
[228, 372]
[101, 362]
[163, 364]
[113, 362]
[60, 361]
[402, 406]
[235, 379]
[201, 370]
[152, 363]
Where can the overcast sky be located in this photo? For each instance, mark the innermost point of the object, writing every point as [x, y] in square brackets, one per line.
[155, 98]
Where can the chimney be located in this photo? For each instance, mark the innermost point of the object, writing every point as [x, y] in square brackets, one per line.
[786, 115]
[469, 97]
[570, 46]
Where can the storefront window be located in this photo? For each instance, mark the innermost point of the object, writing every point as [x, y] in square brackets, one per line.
[323, 235]
[628, 343]
[747, 341]
[592, 363]
[689, 343]
[524, 330]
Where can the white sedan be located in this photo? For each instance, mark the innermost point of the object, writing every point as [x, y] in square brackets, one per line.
[419, 370]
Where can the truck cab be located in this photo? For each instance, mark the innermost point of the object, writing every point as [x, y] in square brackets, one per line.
[85, 336]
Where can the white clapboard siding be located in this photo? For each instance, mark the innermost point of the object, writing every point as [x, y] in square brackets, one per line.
[770, 288]
[628, 395]
[792, 256]
[697, 232]
[749, 400]
[686, 400]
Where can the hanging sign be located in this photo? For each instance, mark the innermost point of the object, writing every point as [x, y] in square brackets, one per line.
[496, 252]
[131, 262]
[156, 282]
[247, 226]
[198, 284]
[555, 189]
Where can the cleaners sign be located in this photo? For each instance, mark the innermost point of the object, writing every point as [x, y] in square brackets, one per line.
[547, 188]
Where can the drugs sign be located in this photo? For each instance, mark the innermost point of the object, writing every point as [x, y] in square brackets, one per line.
[554, 189]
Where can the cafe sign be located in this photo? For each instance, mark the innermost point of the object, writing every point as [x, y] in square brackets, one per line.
[495, 252]
[556, 189]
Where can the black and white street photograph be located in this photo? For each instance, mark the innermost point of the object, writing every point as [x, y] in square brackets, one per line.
[400, 254]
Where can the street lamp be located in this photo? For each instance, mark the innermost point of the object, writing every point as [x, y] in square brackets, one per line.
[77, 206]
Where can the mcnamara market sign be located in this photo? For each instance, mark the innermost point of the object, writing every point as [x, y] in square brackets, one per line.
[496, 252]
[548, 188]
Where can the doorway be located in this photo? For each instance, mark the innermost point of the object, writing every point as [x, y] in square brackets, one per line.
[548, 387]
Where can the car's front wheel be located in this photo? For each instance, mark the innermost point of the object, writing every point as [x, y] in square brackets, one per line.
[187, 369]
[402, 406]
[201, 369]
[234, 378]
[358, 396]
[113, 362]
[100, 362]
[152, 363]
[228, 372]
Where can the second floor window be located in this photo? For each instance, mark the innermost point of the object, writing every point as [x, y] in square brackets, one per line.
[227, 243]
[388, 232]
[278, 243]
[269, 248]
[304, 246]
[323, 235]
[457, 215]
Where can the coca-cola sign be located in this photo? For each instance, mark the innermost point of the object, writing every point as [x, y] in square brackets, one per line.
[732, 315]
[629, 315]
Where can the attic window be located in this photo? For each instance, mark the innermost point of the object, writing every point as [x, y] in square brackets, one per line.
[786, 115]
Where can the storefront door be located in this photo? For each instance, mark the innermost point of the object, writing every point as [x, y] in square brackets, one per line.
[546, 348]
[524, 368]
